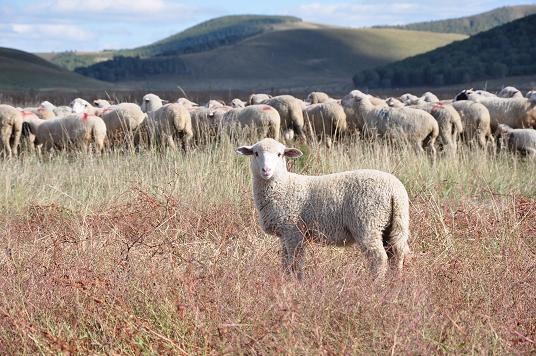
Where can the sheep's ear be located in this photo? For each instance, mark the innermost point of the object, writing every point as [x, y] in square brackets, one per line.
[163, 101]
[245, 150]
[293, 153]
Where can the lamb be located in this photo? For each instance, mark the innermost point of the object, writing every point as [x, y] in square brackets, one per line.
[255, 99]
[408, 98]
[394, 102]
[530, 94]
[429, 97]
[415, 126]
[522, 141]
[450, 124]
[10, 129]
[327, 120]
[62, 133]
[476, 122]
[368, 207]
[213, 104]
[165, 122]
[516, 112]
[290, 112]
[237, 103]
[510, 92]
[317, 97]
[264, 118]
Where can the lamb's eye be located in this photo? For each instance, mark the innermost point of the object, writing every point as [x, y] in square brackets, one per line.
[279, 154]
[256, 154]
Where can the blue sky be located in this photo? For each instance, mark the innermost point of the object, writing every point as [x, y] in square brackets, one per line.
[87, 25]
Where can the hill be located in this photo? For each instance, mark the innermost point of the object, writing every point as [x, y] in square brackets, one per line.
[23, 70]
[508, 50]
[295, 54]
[474, 24]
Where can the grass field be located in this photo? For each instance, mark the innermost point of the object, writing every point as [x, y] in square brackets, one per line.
[161, 253]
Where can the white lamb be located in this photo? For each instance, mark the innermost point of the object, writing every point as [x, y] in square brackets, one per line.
[510, 92]
[368, 207]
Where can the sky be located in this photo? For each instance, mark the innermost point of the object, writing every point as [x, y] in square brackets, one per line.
[89, 25]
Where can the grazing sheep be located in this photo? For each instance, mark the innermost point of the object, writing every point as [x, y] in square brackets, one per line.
[206, 122]
[73, 130]
[353, 116]
[476, 122]
[450, 124]
[414, 126]
[237, 103]
[101, 103]
[185, 102]
[522, 141]
[365, 206]
[327, 120]
[394, 102]
[167, 122]
[262, 117]
[317, 97]
[429, 97]
[290, 111]
[213, 104]
[510, 92]
[515, 112]
[255, 99]
[10, 129]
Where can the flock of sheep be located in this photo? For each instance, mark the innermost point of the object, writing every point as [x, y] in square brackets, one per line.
[428, 124]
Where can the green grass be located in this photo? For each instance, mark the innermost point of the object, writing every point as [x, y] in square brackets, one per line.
[162, 253]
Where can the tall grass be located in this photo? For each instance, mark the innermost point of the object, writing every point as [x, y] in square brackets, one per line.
[160, 252]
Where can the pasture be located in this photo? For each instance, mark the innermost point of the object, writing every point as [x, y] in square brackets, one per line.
[160, 252]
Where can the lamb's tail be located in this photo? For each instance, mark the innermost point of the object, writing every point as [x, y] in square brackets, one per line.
[396, 241]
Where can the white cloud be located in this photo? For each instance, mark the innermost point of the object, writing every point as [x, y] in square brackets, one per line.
[51, 31]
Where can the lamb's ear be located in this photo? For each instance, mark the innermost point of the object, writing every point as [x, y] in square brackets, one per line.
[245, 150]
[293, 153]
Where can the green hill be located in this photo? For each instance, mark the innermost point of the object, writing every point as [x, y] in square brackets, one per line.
[22, 70]
[296, 54]
[508, 50]
[477, 23]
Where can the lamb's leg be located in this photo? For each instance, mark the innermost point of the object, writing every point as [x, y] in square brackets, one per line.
[170, 142]
[293, 252]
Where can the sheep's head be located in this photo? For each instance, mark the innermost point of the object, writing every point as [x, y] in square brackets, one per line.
[80, 106]
[268, 157]
[464, 95]
[101, 103]
[237, 103]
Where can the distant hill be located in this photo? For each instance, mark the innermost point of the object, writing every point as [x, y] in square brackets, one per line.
[286, 53]
[22, 70]
[508, 50]
[474, 24]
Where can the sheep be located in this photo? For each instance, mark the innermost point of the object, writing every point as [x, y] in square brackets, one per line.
[510, 92]
[408, 98]
[237, 103]
[522, 141]
[255, 99]
[368, 207]
[353, 117]
[165, 122]
[530, 94]
[374, 100]
[75, 129]
[429, 97]
[185, 102]
[122, 120]
[450, 124]
[206, 122]
[415, 126]
[290, 111]
[517, 113]
[476, 122]
[394, 102]
[10, 129]
[101, 103]
[212, 104]
[326, 120]
[317, 97]
[262, 117]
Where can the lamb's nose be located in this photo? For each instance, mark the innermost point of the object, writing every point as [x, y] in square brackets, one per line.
[266, 170]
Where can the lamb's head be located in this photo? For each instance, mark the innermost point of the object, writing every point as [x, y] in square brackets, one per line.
[464, 94]
[80, 106]
[101, 103]
[268, 157]
[151, 102]
[47, 105]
